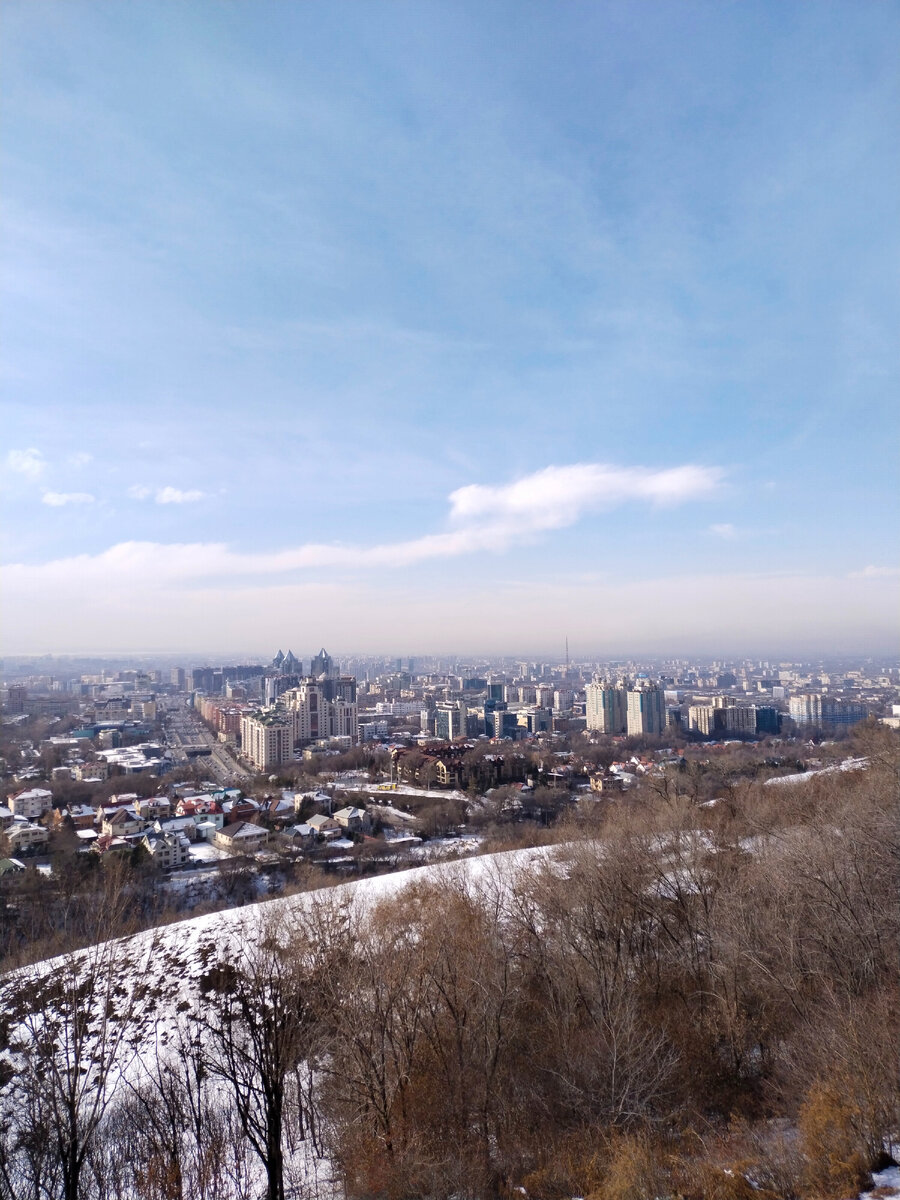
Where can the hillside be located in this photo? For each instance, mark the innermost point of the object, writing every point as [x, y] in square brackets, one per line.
[683, 1001]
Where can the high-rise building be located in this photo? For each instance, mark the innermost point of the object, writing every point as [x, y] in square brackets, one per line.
[324, 708]
[605, 709]
[740, 718]
[813, 708]
[321, 665]
[702, 718]
[450, 720]
[267, 738]
[646, 711]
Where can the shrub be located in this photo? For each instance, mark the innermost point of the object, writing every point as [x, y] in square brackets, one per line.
[833, 1144]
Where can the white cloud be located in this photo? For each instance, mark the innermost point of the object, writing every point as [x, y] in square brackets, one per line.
[80, 459]
[61, 499]
[170, 495]
[486, 518]
[166, 495]
[725, 530]
[557, 496]
[30, 463]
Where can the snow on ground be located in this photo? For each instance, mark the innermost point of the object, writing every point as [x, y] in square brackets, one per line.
[886, 1185]
[392, 838]
[450, 847]
[165, 964]
[849, 764]
[152, 979]
[206, 852]
[399, 790]
[396, 814]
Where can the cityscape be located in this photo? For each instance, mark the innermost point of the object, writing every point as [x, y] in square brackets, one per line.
[238, 728]
[449, 596]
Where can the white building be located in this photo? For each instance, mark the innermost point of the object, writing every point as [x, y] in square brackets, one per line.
[168, 850]
[22, 834]
[450, 720]
[31, 804]
[268, 738]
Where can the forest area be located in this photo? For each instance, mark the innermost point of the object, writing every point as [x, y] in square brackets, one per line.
[682, 1000]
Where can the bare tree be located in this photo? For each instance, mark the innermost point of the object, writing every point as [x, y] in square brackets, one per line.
[72, 1036]
[256, 1022]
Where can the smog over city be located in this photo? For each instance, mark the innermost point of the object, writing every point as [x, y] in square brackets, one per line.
[449, 592]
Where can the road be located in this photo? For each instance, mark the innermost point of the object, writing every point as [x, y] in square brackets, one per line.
[186, 732]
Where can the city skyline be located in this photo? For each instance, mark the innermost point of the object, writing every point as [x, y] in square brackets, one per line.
[450, 329]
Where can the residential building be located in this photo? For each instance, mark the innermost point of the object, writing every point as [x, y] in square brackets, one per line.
[353, 819]
[168, 850]
[268, 737]
[740, 719]
[121, 822]
[606, 709]
[646, 711]
[814, 708]
[31, 804]
[702, 718]
[323, 825]
[22, 834]
[242, 837]
[324, 708]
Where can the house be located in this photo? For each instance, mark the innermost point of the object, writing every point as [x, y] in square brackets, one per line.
[151, 808]
[239, 810]
[279, 810]
[82, 816]
[123, 800]
[300, 837]
[355, 820]
[324, 826]
[31, 804]
[241, 837]
[11, 866]
[22, 835]
[206, 830]
[197, 806]
[107, 845]
[168, 850]
[122, 822]
[184, 825]
[6, 817]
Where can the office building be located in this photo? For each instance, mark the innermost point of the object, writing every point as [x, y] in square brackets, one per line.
[535, 719]
[450, 720]
[321, 665]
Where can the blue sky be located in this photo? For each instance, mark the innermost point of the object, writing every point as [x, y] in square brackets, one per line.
[419, 327]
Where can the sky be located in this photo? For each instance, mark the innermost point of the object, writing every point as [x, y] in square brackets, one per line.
[423, 327]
